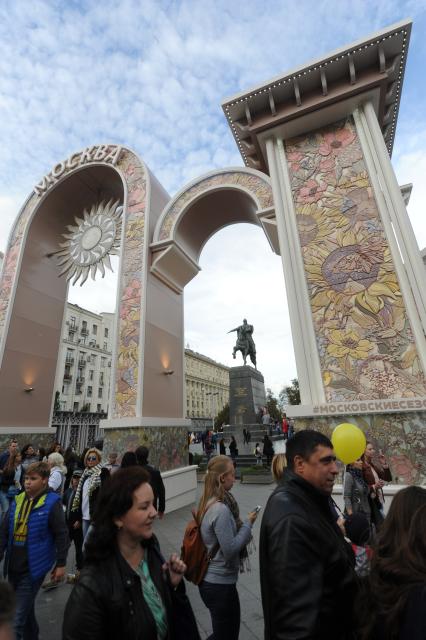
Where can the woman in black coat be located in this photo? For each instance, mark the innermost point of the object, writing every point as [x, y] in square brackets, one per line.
[268, 450]
[126, 588]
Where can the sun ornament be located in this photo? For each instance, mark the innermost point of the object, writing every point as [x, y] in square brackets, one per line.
[90, 242]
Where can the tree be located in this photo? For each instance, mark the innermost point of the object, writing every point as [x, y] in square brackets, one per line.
[272, 405]
[290, 394]
[222, 417]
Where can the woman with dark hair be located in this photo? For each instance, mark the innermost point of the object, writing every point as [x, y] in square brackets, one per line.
[12, 477]
[126, 589]
[376, 473]
[129, 460]
[393, 604]
[29, 455]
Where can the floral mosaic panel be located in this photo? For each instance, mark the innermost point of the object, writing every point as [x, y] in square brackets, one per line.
[168, 446]
[401, 437]
[130, 294]
[11, 260]
[364, 337]
[259, 188]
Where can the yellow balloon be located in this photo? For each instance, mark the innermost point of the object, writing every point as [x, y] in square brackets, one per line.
[348, 442]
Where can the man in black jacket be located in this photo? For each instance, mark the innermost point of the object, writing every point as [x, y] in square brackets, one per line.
[306, 567]
[156, 480]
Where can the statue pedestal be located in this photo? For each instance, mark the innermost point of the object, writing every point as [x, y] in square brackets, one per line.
[246, 395]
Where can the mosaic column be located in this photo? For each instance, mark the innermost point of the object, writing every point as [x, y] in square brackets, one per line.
[370, 345]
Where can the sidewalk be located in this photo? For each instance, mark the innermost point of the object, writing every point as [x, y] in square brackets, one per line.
[50, 605]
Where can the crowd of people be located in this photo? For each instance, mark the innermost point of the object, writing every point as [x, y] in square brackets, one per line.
[357, 574]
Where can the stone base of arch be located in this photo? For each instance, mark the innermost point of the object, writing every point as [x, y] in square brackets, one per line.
[41, 438]
[168, 446]
[401, 437]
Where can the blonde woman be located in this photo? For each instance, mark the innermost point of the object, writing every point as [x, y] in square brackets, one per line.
[94, 475]
[58, 471]
[226, 537]
[279, 463]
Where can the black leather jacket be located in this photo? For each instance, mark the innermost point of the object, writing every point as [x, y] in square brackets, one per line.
[306, 568]
[107, 602]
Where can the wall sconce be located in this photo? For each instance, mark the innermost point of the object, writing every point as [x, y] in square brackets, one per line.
[29, 389]
[168, 372]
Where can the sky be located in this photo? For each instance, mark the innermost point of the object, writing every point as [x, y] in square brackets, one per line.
[152, 76]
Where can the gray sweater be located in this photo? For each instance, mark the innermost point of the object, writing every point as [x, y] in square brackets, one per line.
[218, 526]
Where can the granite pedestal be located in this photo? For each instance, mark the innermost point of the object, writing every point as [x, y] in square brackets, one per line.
[246, 395]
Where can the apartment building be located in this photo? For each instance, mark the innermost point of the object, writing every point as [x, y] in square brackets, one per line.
[207, 386]
[84, 362]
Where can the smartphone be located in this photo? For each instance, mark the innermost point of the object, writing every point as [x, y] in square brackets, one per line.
[257, 509]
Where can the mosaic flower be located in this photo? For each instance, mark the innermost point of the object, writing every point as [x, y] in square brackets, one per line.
[314, 224]
[348, 343]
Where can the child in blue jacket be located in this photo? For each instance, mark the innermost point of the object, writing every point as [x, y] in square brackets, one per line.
[35, 538]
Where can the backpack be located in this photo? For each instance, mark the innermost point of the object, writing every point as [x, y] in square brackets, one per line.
[194, 552]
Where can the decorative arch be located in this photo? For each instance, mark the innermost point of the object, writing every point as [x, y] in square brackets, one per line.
[28, 263]
[199, 210]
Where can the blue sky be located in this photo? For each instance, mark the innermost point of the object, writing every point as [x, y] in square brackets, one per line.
[152, 75]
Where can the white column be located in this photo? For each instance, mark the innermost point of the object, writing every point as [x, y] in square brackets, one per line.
[306, 353]
[373, 168]
[398, 213]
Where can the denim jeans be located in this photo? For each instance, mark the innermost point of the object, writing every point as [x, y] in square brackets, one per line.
[25, 623]
[224, 605]
[4, 502]
[85, 525]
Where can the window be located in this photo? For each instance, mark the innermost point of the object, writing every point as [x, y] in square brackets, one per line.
[106, 332]
[100, 390]
[105, 346]
[93, 358]
[72, 321]
[89, 392]
[101, 378]
[63, 405]
[98, 408]
[91, 375]
[103, 362]
[75, 407]
[95, 329]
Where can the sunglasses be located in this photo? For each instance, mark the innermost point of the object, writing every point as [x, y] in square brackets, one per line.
[91, 458]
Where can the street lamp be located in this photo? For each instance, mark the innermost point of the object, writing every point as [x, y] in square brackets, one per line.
[212, 394]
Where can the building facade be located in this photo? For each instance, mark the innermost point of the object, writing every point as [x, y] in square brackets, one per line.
[207, 387]
[84, 363]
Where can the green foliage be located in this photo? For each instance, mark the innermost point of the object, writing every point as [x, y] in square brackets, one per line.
[272, 405]
[290, 394]
[222, 417]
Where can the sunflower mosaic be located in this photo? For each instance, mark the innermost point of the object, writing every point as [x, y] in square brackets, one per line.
[90, 242]
[364, 337]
